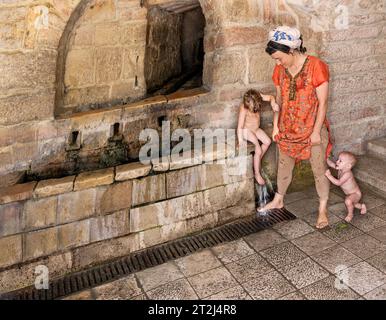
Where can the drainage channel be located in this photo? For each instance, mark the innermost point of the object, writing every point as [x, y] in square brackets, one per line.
[148, 258]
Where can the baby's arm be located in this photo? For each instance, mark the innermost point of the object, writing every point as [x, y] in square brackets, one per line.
[331, 164]
[338, 182]
[272, 100]
[241, 123]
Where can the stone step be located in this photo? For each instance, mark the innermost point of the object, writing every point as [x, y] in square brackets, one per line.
[377, 148]
[372, 171]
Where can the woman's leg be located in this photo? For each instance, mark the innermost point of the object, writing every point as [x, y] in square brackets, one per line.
[284, 179]
[322, 184]
[251, 137]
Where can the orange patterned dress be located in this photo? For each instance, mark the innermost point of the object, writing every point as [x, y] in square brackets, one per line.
[300, 107]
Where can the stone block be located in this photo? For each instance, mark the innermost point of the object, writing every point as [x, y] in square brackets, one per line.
[74, 234]
[201, 223]
[215, 199]
[114, 197]
[40, 243]
[234, 213]
[184, 181]
[92, 179]
[108, 64]
[221, 64]
[24, 275]
[36, 105]
[11, 252]
[40, 213]
[110, 226]
[150, 237]
[79, 68]
[240, 193]
[106, 34]
[10, 218]
[75, 206]
[18, 192]
[131, 171]
[105, 250]
[261, 66]
[148, 189]
[87, 95]
[51, 187]
[166, 212]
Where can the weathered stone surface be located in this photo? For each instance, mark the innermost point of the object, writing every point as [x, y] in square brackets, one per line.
[40, 213]
[215, 199]
[106, 34]
[17, 192]
[194, 179]
[200, 223]
[261, 66]
[105, 250]
[166, 212]
[131, 171]
[92, 179]
[110, 226]
[46, 188]
[74, 234]
[10, 218]
[150, 237]
[40, 243]
[79, 68]
[12, 250]
[24, 276]
[237, 212]
[75, 206]
[108, 65]
[148, 189]
[114, 197]
[234, 61]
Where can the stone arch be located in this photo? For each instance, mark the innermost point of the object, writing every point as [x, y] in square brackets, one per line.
[64, 92]
[63, 48]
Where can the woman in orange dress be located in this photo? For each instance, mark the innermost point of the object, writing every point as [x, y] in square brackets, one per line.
[301, 129]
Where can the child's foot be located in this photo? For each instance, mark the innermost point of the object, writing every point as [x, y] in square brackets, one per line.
[260, 180]
[276, 203]
[349, 218]
[322, 221]
[364, 209]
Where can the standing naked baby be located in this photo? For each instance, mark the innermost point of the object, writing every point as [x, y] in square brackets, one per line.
[346, 181]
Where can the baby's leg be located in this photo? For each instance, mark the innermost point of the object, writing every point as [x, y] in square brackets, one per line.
[263, 137]
[350, 203]
[361, 206]
[250, 136]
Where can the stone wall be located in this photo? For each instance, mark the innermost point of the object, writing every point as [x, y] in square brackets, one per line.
[72, 223]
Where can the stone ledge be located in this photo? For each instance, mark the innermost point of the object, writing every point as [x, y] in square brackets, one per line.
[52, 187]
[17, 192]
[92, 179]
[131, 171]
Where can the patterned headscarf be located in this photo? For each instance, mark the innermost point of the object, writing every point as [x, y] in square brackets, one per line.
[291, 37]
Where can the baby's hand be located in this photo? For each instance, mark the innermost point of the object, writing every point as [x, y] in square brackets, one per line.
[275, 106]
[328, 173]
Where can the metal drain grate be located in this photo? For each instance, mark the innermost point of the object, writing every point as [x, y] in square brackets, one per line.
[148, 258]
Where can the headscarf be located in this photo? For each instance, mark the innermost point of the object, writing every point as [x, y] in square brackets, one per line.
[291, 37]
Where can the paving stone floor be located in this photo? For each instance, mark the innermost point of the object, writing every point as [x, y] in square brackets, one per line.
[291, 261]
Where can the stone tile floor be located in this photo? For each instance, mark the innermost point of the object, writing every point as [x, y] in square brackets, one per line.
[291, 261]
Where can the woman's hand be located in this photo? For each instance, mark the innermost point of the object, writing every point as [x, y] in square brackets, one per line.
[316, 139]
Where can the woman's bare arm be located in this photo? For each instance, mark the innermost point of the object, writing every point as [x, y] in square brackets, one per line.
[322, 94]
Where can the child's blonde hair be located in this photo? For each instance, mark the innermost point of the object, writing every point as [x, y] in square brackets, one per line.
[351, 158]
[253, 101]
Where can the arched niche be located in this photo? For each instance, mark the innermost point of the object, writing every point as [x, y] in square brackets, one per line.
[114, 52]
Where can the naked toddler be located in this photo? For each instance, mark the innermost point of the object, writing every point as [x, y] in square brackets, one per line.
[346, 181]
